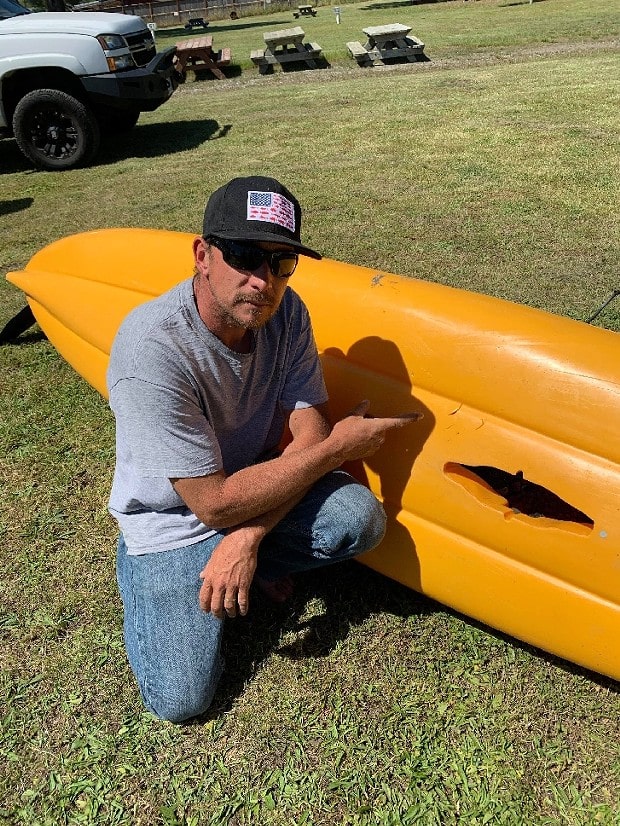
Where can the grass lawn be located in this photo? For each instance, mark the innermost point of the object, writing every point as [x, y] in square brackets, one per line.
[492, 167]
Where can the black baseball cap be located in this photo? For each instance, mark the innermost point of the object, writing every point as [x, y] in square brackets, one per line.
[255, 209]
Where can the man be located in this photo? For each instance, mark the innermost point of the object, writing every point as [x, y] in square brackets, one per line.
[203, 381]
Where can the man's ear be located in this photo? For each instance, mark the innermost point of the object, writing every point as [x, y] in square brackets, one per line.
[201, 255]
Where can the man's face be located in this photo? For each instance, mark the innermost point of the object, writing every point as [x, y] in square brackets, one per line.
[234, 290]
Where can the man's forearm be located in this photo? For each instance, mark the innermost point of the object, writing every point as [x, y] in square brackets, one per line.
[223, 502]
[275, 485]
[260, 526]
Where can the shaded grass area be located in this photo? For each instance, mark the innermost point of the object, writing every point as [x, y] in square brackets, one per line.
[360, 702]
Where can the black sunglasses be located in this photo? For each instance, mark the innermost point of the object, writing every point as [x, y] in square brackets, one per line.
[244, 256]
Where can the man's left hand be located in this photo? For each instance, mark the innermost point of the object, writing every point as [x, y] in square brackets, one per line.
[227, 576]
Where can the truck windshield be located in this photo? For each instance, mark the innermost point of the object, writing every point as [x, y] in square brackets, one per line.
[11, 8]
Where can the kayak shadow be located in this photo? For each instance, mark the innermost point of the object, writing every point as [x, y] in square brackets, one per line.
[374, 369]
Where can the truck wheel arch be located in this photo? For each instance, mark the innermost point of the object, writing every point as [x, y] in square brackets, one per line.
[18, 84]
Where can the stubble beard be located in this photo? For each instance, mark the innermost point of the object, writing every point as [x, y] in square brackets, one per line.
[230, 318]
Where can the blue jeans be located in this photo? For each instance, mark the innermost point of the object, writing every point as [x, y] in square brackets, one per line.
[173, 646]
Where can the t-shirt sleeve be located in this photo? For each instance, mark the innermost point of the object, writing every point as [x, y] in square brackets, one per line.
[164, 429]
[304, 385]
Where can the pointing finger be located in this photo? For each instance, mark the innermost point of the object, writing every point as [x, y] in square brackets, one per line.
[393, 422]
[407, 418]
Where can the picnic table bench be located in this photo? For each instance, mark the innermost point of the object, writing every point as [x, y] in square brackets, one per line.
[385, 43]
[305, 11]
[285, 46]
[198, 52]
[196, 23]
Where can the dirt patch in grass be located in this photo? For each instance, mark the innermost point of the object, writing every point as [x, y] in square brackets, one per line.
[336, 72]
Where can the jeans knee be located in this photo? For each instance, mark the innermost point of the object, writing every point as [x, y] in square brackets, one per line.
[184, 692]
[364, 520]
[372, 529]
[177, 707]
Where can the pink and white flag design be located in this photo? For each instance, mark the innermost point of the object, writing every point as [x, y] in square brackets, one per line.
[272, 208]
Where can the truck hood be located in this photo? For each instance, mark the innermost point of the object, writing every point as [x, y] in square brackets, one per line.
[79, 22]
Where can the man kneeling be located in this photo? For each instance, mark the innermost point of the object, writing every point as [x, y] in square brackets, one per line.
[203, 381]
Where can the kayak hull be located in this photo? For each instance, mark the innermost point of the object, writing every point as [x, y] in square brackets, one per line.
[503, 502]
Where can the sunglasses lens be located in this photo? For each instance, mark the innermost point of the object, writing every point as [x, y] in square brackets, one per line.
[249, 258]
[283, 264]
[243, 256]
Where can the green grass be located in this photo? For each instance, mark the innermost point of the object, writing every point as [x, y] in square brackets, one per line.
[491, 168]
[448, 29]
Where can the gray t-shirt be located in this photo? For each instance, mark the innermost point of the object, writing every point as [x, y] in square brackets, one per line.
[186, 405]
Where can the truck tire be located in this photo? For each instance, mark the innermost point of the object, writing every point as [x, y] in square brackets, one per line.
[55, 130]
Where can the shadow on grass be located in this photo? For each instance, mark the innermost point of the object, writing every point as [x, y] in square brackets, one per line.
[351, 593]
[12, 160]
[33, 337]
[202, 73]
[398, 4]
[222, 26]
[321, 63]
[402, 61]
[16, 326]
[148, 140]
[152, 140]
[15, 205]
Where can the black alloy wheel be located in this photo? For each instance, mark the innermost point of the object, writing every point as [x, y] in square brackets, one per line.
[55, 130]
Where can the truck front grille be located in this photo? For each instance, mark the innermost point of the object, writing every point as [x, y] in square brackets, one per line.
[142, 47]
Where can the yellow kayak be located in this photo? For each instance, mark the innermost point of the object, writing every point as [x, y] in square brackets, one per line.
[503, 502]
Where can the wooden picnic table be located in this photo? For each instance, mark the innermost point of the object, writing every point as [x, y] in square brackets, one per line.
[196, 23]
[392, 40]
[198, 53]
[305, 11]
[285, 46]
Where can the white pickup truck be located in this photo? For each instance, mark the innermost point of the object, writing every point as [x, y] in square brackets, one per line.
[67, 76]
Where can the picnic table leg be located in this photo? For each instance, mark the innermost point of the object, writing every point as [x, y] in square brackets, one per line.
[309, 61]
[375, 59]
[208, 63]
[402, 44]
[265, 67]
[216, 70]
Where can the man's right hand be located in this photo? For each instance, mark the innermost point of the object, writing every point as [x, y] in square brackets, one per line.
[359, 435]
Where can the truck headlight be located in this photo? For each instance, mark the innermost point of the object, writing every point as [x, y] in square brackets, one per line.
[112, 41]
[115, 43]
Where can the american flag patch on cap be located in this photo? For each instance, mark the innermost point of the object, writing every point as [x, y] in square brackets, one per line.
[272, 208]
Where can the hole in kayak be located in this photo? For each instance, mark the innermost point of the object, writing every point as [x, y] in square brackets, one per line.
[521, 495]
